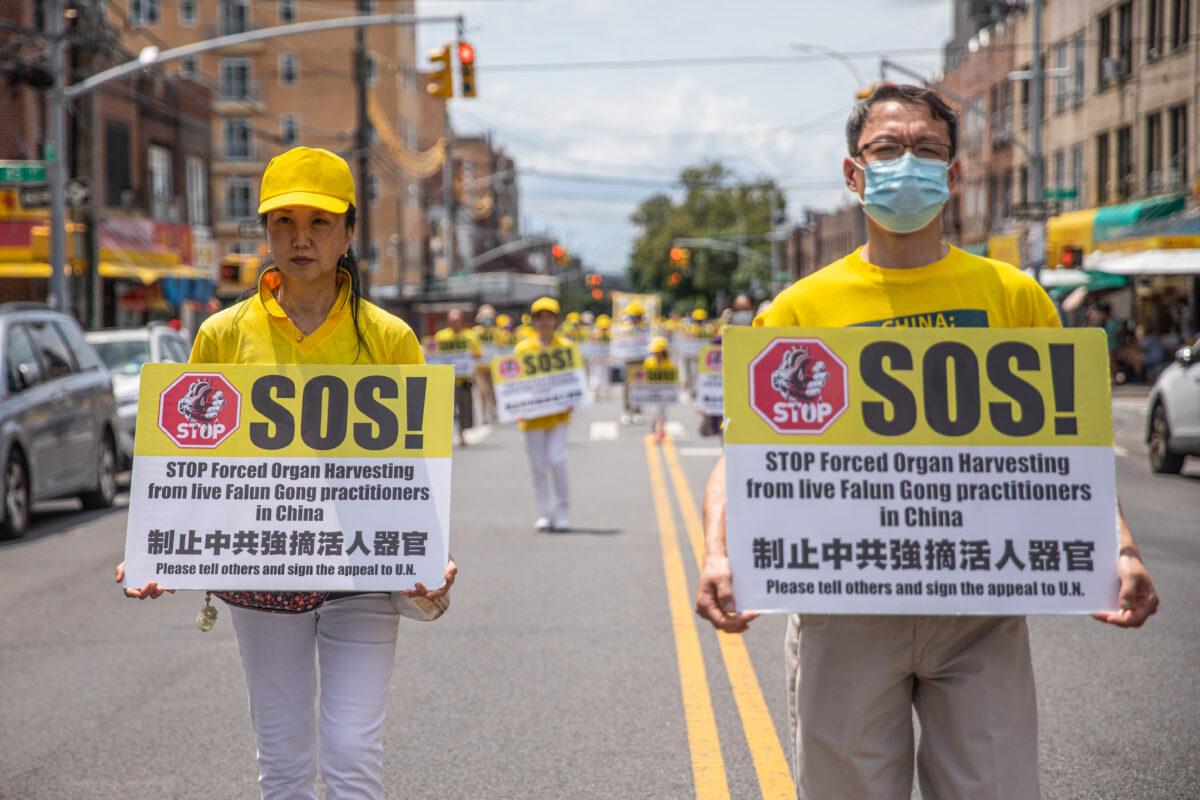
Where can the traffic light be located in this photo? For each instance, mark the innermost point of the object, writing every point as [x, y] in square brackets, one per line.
[1072, 257]
[597, 294]
[594, 279]
[681, 256]
[441, 78]
[865, 92]
[675, 279]
[466, 65]
[560, 255]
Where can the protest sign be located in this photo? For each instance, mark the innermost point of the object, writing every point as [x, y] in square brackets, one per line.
[650, 302]
[537, 384]
[710, 382]
[653, 387]
[596, 349]
[689, 346]
[454, 352]
[290, 477]
[629, 344]
[920, 471]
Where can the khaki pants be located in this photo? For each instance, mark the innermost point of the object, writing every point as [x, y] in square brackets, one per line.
[854, 680]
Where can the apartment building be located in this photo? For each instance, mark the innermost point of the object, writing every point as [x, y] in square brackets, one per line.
[275, 94]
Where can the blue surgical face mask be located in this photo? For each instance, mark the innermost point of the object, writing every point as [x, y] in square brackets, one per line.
[905, 194]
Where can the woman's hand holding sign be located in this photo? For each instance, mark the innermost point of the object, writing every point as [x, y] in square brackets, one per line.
[432, 594]
[151, 589]
[1138, 601]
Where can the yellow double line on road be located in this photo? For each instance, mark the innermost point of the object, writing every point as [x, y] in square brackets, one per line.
[708, 764]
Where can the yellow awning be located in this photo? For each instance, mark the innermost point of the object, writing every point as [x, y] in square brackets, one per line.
[28, 269]
[148, 275]
[1073, 229]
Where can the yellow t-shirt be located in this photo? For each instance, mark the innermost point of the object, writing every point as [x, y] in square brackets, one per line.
[960, 290]
[258, 331]
[464, 340]
[524, 348]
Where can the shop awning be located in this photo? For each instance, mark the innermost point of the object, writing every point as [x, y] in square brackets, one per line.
[1084, 281]
[1146, 262]
[1061, 278]
[1121, 221]
[1073, 229]
[148, 275]
[28, 269]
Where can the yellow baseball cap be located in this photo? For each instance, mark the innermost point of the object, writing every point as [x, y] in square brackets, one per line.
[307, 176]
[634, 309]
[699, 315]
[659, 344]
[504, 320]
[573, 316]
[545, 304]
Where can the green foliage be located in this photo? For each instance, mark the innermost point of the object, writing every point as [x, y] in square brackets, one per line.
[715, 205]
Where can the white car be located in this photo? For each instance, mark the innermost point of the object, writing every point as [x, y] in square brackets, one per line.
[123, 351]
[1173, 419]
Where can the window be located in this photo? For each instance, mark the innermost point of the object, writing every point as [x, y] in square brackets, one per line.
[1060, 169]
[1181, 13]
[1006, 194]
[1155, 29]
[1178, 145]
[1125, 174]
[235, 16]
[289, 129]
[237, 139]
[235, 78]
[118, 176]
[289, 68]
[187, 66]
[187, 12]
[1025, 100]
[287, 11]
[366, 6]
[1102, 169]
[1061, 93]
[239, 203]
[1024, 183]
[144, 12]
[1077, 178]
[1103, 51]
[20, 361]
[159, 160]
[1153, 152]
[85, 357]
[197, 190]
[55, 355]
[1125, 38]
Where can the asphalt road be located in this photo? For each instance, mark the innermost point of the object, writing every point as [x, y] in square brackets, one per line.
[557, 672]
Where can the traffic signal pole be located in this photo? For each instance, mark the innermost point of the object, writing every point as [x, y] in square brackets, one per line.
[362, 151]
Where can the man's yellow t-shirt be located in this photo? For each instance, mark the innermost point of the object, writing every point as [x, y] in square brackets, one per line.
[658, 362]
[960, 290]
[465, 339]
[533, 345]
[258, 331]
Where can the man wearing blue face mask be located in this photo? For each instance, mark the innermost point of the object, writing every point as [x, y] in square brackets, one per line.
[853, 681]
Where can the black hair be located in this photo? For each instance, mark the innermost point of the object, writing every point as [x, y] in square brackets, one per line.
[917, 95]
[348, 262]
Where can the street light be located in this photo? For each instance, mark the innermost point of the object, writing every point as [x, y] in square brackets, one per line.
[148, 55]
[837, 55]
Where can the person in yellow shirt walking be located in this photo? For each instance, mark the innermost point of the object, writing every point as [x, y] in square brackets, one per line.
[454, 337]
[546, 437]
[488, 334]
[659, 359]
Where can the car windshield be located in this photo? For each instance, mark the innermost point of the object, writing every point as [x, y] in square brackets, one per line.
[124, 358]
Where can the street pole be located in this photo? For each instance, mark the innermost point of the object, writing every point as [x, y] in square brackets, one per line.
[55, 154]
[362, 145]
[448, 233]
[1035, 135]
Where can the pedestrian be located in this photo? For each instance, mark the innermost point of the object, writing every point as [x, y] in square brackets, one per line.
[546, 437]
[309, 309]
[853, 681]
[1113, 330]
[740, 312]
[598, 366]
[457, 337]
[633, 326]
[659, 360]
[488, 334]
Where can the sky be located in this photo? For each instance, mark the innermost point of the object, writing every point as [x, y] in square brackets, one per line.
[590, 144]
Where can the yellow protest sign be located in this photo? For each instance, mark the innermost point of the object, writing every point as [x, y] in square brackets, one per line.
[710, 383]
[539, 383]
[929, 471]
[658, 386]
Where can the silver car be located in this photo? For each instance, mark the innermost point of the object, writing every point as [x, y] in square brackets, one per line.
[123, 351]
[1173, 418]
[57, 417]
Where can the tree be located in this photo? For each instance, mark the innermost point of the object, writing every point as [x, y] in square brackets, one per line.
[715, 205]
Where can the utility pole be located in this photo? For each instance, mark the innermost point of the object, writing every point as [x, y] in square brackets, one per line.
[450, 245]
[55, 154]
[363, 147]
[1037, 177]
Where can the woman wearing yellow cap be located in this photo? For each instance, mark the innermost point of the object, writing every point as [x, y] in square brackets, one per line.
[309, 309]
[546, 437]
[659, 360]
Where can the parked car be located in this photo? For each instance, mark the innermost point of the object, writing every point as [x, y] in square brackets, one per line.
[1173, 413]
[57, 416]
[123, 351]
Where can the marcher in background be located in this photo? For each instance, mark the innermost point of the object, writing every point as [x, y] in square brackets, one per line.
[697, 329]
[1113, 329]
[309, 309]
[506, 335]
[457, 336]
[598, 366]
[488, 335]
[741, 312]
[634, 322]
[659, 359]
[546, 437]
[526, 329]
[854, 680]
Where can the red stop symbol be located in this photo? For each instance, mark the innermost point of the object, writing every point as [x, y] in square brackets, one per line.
[199, 410]
[798, 386]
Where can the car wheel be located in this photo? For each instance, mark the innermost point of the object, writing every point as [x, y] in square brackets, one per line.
[16, 497]
[106, 478]
[1161, 460]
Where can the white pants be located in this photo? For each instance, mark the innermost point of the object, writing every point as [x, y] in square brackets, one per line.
[354, 639]
[547, 450]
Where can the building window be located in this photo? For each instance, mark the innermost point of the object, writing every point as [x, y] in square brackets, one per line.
[239, 204]
[1060, 169]
[235, 16]
[1178, 143]
[237, 139]
[187, 12]
[289, 68]
[1025, 100]
[287, 11]
[1103, 51]
[159, 160]
[187, 67]
[1025, 179]
[1080, 53]
[235, 78]
[1061, 93]
[1181, 23]
[1125, 172]
[372, 70]
[1077, 178]
[1125, 38]
[197, 190]
[289, 129]
[1153, 152]
[411, 139]
[1006, 194]
[1155, 29]
[144, 12]
[373, 188]
[1102, 169]
[118, 178]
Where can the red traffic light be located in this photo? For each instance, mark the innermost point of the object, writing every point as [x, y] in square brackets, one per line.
[597, 294]
[1072, 257]
[466, 53]
[558, 251]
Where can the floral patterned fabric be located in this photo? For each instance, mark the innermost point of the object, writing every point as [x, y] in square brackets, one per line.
[280, 602]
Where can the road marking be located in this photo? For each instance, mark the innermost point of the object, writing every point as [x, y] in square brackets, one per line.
[700, 452]
[1120, 451]
[770, 764]
[708, 765]
[477, 434]
[675, 429]
[603, 432]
